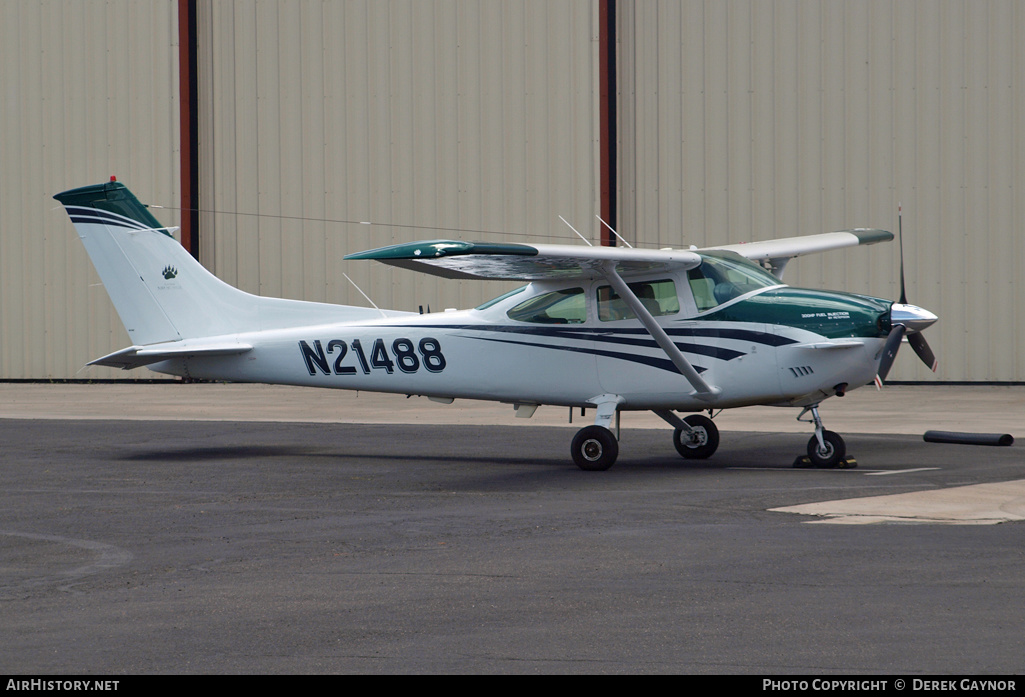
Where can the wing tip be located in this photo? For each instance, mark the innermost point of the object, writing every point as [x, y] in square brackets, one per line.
[871, 235]
[432, 249]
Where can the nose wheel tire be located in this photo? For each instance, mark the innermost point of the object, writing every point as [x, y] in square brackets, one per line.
[595, 448]
[830, 456]
[701, 442]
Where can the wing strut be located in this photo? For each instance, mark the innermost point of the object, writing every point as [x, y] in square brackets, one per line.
[702, 390]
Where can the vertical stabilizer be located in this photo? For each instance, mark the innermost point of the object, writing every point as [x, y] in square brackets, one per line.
[137, 259]
[159, 290]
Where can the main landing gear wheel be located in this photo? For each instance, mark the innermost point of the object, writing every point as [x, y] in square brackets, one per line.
[830, 456]
[701, 442]
[595, 448]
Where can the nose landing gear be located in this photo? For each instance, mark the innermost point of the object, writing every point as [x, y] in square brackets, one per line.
[826, 450]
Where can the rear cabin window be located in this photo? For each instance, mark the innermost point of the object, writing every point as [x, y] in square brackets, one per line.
[566, 306]
[658, 297]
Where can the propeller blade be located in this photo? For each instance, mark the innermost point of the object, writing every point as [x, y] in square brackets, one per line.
[905, 317]
[900, 241]
[921, 347]
[890, 351]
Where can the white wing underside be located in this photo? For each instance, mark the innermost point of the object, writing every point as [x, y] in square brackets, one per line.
[520, 262]
[523, 262]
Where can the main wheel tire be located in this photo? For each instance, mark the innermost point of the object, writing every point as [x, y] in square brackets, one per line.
[702, 443]
[833, 454]
[595, 448]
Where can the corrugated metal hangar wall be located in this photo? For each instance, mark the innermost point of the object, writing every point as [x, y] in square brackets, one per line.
[87, 90]
[734, 121]
[423, 118]
[745, 121]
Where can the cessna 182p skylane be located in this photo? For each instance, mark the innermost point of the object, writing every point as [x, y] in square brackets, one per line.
[608, 328]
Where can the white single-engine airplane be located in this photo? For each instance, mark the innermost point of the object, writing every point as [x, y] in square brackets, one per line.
[609, 328]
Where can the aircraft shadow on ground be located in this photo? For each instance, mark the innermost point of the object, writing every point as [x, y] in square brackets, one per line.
[637, 452]
[216, 453]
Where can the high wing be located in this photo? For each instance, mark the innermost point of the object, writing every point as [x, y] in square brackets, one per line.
[454, 259]
[533, 262]
[776, 253]
[530, 262]
[526, 262]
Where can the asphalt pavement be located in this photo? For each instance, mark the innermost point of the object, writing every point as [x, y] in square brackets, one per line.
[907, 409]
[232, 529]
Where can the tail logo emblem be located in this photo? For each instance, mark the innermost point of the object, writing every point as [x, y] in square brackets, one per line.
[170, 272]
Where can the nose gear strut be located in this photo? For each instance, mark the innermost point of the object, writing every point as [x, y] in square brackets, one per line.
[826, 450]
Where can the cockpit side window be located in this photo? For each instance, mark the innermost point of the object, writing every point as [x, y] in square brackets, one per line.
[723, 276]
[658, 297]
[567, 306]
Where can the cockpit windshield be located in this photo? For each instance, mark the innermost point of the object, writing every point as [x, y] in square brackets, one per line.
[500, 298]
[723, 276]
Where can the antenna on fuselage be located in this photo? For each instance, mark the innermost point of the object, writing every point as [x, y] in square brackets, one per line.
[363, 294]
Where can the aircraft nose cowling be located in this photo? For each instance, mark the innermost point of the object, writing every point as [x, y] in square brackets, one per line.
[911, 316]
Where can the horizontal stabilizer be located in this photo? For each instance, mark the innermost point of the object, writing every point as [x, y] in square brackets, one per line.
[137, 356]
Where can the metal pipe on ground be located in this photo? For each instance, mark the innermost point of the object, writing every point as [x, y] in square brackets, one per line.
[1003, 439]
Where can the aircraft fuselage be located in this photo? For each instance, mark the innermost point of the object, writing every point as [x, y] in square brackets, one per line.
[774, 345]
